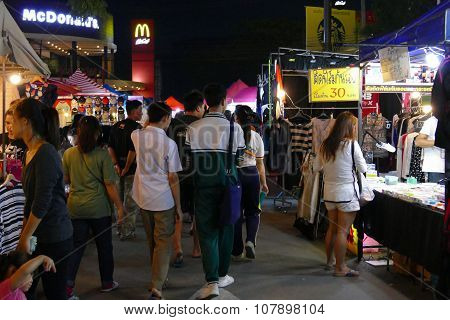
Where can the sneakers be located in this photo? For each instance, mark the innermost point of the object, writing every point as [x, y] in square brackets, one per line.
[209, 291]
[239, 258]
[111, 287]
[70, 294]
[250, 250]
[225, 281]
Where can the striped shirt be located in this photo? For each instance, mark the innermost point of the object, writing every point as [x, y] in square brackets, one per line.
[12, 202]
[301, 137]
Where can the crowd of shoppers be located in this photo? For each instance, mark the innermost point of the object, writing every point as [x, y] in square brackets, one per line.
[160, 171]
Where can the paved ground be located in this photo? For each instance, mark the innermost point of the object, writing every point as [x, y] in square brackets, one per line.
[288, 266]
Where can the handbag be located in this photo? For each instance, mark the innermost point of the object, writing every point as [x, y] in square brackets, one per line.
[230, 208]
[365, 192]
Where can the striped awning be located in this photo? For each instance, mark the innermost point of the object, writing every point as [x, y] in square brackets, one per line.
[87, 85]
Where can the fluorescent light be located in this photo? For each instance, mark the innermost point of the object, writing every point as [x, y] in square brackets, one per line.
[432, 60]
[415, 95]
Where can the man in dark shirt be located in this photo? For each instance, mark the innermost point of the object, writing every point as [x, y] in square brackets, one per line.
[123, 155]
[194, 110]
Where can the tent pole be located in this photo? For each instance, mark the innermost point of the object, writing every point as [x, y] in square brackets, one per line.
[3, 113]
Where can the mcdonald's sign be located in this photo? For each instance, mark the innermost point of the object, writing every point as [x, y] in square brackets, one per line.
[142, 34]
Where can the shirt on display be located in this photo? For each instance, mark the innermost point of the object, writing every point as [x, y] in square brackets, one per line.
[253, 150]
[64, 113]
[12, 202]
[434, 157]
[157, 156]
[376, 125]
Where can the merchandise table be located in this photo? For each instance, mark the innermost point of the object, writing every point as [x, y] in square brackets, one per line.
[409, 228]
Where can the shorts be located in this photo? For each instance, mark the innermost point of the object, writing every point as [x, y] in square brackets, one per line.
[351, 206]
[187, 196]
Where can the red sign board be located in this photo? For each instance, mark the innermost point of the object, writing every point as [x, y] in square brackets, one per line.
[143, 55]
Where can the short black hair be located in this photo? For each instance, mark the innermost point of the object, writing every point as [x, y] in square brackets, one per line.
[214, 94]
[192, 100]
[133, 105]
[157, 111]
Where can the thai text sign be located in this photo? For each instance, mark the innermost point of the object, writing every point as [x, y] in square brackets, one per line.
[334, 85]
[395, 64]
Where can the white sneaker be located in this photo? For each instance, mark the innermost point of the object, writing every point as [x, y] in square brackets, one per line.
[225, 281]
[250, 250]
[209, 291]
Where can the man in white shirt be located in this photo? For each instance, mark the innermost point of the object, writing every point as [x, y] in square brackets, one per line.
[156, 189]
[433, 157]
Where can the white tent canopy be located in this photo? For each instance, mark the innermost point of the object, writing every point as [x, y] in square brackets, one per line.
[16, 56]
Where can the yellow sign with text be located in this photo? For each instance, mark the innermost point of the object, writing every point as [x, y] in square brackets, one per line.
[334, 85]
[343, 29]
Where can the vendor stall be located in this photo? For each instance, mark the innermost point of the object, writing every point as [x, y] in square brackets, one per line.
[407, 214]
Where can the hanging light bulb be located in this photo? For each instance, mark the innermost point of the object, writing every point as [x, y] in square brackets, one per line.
[15, 79]
[432, 60]
[281, 94]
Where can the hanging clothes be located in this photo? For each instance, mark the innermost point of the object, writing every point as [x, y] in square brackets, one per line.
[416, 164]
[407, 154]
[301, 137]
[321, 128]
[307, 206]
[12, 202]
[279, 140]
[376, 125]
[441, 107]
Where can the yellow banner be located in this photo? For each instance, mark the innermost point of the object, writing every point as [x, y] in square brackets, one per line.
[334, 85]
[343, 29]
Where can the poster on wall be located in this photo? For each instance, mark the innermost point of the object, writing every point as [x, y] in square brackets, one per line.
[395, 65]
[334, 85]
[343, 29]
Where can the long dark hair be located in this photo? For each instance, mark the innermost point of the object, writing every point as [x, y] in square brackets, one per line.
[89, 133]
[246, 119]
[44, 120]
[343, 130]
[13, 259]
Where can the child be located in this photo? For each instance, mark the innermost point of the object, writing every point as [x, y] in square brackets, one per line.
[16, 274]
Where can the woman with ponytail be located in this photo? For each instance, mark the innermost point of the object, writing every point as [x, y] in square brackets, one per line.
[46, 215]
[252, 176]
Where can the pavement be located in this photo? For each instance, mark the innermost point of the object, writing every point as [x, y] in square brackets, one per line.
[287, 266]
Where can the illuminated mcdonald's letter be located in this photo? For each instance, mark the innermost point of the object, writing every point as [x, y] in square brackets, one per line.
[142, 30]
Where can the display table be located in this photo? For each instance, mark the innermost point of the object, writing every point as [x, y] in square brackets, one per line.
[409, 228]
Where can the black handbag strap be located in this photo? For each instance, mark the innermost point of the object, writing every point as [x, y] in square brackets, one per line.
[89, 169]
[355, 171]
[230, 147]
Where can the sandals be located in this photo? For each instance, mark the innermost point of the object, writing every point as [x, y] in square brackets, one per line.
[178, 263]
[349, 274]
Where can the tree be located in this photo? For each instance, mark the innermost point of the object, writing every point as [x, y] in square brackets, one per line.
[96, 8]
[392, 15]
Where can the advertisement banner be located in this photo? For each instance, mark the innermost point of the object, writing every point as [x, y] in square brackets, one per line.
[343, 28]
[399, 88]
[334, 85]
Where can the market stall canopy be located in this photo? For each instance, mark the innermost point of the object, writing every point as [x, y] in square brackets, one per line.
[426, 31]
[15, 48]
[64, 89]
[246, 95]
[235, 88]
[174, 103]
[87, 86]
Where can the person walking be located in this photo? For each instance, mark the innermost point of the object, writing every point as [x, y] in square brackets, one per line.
[194, 110]
[89, 170]
[123, 154]
[340, 187]
[156, 190]
[252, 176]
[46, 215]
[208, 140]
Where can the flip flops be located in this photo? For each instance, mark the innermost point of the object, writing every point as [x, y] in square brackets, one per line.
[349, 274]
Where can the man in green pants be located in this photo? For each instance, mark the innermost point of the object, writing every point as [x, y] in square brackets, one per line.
[208, 140]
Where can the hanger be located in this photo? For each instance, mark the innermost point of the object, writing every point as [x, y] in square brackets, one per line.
[9, 181]
[323, 115]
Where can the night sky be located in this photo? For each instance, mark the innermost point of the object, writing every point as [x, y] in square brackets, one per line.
[200, 41]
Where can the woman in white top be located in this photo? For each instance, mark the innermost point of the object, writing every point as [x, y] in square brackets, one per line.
[252, 176]
[340, 191]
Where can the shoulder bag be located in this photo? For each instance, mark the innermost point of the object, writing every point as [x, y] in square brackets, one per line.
[365, 192]
[230, 210]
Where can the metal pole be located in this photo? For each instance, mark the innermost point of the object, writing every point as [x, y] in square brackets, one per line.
[74, 55]
[327, 25]
[3, 113]
[363, 14]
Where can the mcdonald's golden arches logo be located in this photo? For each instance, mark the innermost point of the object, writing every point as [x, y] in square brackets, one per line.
[142, 31]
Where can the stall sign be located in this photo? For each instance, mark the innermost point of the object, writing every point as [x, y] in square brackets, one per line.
[399, 88]
[334, 85]
[395, 64]
[142, 34]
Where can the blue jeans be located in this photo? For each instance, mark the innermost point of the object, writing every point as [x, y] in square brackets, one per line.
[435, 177]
